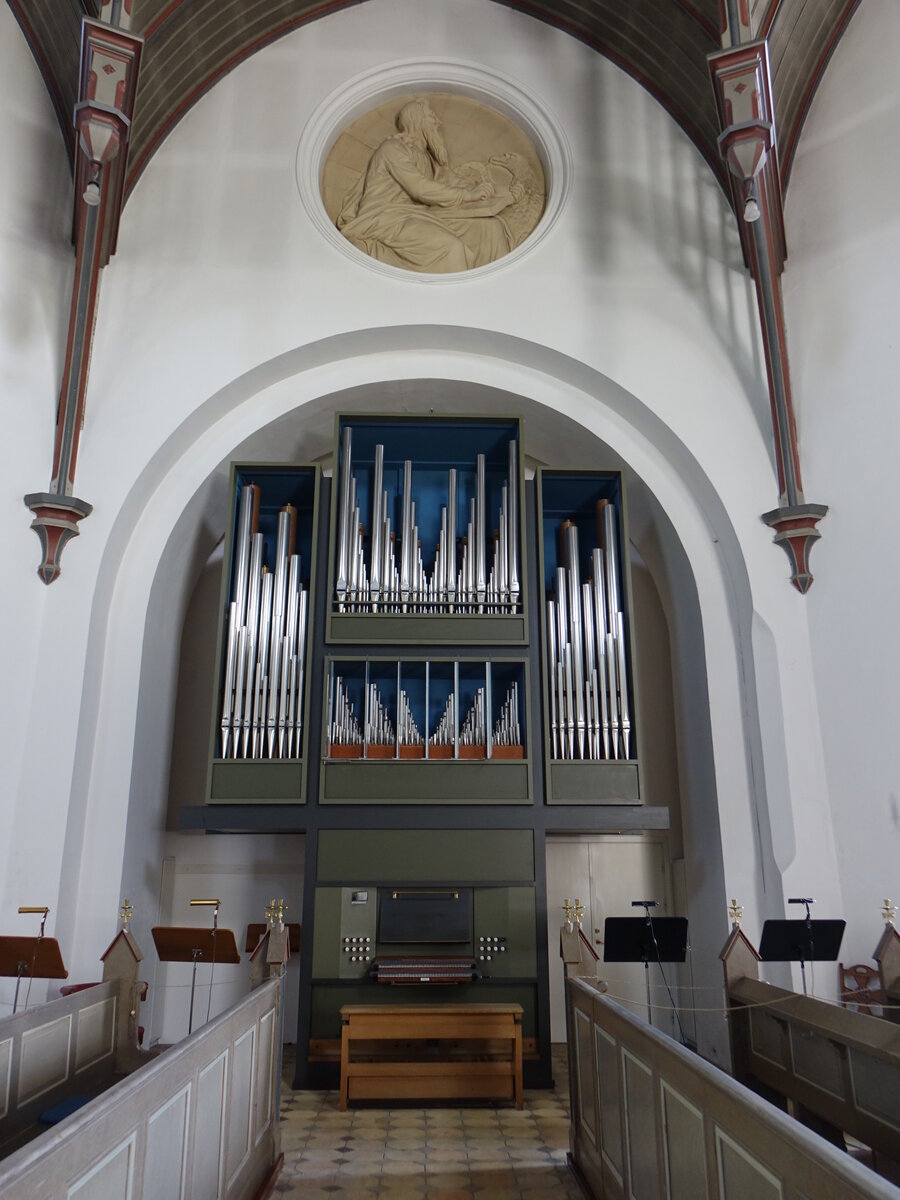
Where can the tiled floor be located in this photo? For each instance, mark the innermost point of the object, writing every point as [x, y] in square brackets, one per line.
[489, 1151]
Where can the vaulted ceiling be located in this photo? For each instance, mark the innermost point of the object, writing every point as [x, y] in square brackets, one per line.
[190, 44]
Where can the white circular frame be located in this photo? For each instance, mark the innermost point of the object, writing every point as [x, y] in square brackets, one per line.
[367, 91]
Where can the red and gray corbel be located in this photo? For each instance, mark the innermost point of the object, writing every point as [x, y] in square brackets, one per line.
[742, 82]
[110, 58]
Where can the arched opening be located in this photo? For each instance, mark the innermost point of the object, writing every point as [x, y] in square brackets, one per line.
[165, 535]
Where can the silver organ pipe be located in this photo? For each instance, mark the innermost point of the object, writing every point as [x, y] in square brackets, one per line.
[249, 503]
[512, 533]
[283, 694]
[232, 711]
[501, 567]
[576, 630]
[230, 656]
[377, 522]
[506, 727]
[450, 571]
[344, 728]
[471, 554]
[408, 733]
[587, 658]
[375, 574]
[551, 664]
[239, 682]
[406, 534]
[472, 728]
[600, 629]
[570, 709]
[401, 721]
[590, 658]
[343, 563]
[300, 659]
[262, 668]
[445, 731]
[265, 656]
[276, 628]
[292, 707]
[480, 550]
[254, 581]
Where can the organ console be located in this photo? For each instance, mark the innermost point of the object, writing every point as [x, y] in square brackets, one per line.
[434, 935]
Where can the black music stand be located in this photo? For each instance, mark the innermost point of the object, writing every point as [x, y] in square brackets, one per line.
[801, 941]
[30, 958]
[192, 944]
[647, 940]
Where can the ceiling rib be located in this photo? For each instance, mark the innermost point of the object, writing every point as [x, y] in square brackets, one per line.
[663, 44]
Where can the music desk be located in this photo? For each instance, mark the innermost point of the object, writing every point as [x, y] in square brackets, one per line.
[431, 1051]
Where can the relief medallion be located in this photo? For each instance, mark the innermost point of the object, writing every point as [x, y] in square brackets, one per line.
[435, 183]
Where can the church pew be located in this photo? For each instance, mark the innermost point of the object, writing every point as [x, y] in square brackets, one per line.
[839, 1069]
[199, 1119]
[651, 1118]
[841, 1066]
[52, 1052]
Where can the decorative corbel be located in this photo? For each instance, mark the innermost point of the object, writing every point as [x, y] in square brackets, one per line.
[742, 83]
[110, 59]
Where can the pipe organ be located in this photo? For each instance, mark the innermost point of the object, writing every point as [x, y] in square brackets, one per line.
[471, 657]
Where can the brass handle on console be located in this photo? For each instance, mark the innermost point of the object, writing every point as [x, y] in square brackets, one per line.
[415, 892]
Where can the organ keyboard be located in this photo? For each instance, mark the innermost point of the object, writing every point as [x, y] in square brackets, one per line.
[425, 969]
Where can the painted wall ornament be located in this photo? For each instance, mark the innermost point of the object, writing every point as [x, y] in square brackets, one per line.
[434, 183]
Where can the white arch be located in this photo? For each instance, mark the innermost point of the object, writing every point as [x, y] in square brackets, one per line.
[152, 520]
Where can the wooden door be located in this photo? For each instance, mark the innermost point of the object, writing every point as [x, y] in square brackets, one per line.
[606, 873]
[624, 869]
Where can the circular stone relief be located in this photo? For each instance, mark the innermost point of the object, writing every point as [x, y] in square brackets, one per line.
[435, 183]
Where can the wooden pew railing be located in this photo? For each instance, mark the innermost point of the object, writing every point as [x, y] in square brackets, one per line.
[52, 1051]
[841, 1066]
[201, 1119]
[652, 1119]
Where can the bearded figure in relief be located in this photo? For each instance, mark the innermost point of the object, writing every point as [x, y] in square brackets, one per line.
[412, 209]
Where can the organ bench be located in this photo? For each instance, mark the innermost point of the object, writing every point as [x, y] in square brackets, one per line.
[431, 1051]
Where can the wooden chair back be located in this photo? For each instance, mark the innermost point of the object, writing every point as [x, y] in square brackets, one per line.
[860, 988]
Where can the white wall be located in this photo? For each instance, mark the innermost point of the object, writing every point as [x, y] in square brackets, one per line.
[245, 873]
[36, 266]
[634, 316]
[840, 287]
[187, 782]
[655, 716]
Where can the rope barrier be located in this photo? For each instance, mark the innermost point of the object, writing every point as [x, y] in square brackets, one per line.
[725, 1009]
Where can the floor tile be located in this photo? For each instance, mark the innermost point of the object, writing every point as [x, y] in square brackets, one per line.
[472, 1153]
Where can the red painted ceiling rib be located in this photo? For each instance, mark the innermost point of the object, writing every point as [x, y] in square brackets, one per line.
[663, 44]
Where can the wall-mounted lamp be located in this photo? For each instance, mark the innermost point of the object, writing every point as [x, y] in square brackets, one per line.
[102, 132]
[91, 194]
[213, 904]
[745, 147]
[36, 908]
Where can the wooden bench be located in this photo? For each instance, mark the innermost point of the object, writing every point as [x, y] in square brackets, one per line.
[392, 1063]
